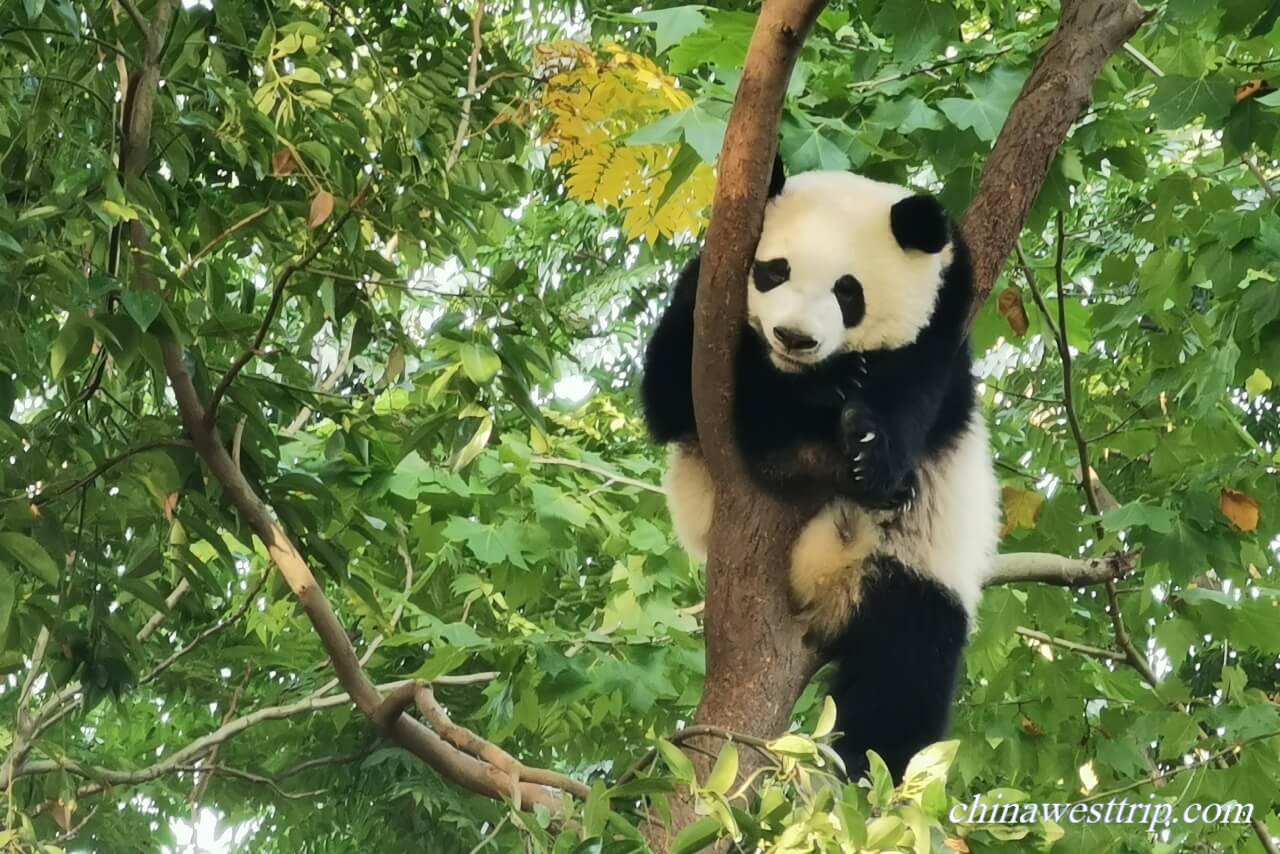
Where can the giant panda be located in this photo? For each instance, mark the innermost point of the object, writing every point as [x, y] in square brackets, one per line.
[854, 401]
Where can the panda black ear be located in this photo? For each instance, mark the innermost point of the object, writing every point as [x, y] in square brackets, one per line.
[920, 222]
[778, 178]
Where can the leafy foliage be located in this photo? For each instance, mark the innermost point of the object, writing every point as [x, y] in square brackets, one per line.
[441, 414]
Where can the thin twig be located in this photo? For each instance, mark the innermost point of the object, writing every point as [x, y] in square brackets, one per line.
[239, 612]
[1263, 182]
[323, 761]
[277, 298]
[1072, 646]
[217, 241]
[1132, 655]
[1173, 772]
[200, 746]
[403, 549]
[49, 494]
[603, 472]
[138, 21]
[473, 69]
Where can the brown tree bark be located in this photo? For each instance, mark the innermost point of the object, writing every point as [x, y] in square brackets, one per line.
[1056, 92]
[757, 659]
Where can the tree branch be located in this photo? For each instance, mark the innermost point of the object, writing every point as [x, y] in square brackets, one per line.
[200, 746]
[467, 741]
[235, 615]
[1046, 568]
[1055, 93]
[273, 308]
[1073, 646]
[473, 70]
[201, 427]
[217, 241]
[610, 476]
[1097, 498]
[51, 493]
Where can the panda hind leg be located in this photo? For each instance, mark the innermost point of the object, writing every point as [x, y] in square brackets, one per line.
[896, 667]
[690, 497]
[827, 567]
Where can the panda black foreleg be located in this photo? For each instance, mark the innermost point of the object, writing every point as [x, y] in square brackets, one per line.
[666, 387]
[879, 459]
[896, 668]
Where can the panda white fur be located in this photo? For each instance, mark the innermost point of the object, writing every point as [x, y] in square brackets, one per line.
[854, 400]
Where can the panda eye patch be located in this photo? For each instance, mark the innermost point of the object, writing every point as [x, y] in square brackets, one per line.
[853, 306]
[769, 274]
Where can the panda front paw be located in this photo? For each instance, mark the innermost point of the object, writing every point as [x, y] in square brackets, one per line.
[873, 476]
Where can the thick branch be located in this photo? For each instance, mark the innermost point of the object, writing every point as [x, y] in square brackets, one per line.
[737, 214]
[467, 741]
[1046, 568]
[196, 419]
[757, 659]
[1055, 93]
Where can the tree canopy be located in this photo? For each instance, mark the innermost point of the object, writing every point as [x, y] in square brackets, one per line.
[406, 257]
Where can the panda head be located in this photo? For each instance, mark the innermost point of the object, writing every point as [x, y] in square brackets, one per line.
[845, 263]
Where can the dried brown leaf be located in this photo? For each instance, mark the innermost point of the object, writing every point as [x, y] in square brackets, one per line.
[321, 209]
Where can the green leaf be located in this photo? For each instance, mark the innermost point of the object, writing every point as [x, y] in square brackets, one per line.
[682, 166]
[30, 554]
[1136, 515]
[917, 26]
[142, 306]
[725, 770]
[827, 719]
[552, 502]
[33, 8]
[674, 24]
[809, 148]
[115, 211]
[1179, 100]
[492, 544]
[596, 811]
[475, 444]
[480, 362]
[647, 537]
[70, 348]
[982, 117]
[931, 763]
[679, 764]
[697, 836]
[793, 744]
[8, 596]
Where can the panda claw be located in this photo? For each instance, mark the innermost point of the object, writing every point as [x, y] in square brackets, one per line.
[859, 456]
[869, 437]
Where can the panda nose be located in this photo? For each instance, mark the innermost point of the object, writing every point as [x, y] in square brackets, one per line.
[793, 340]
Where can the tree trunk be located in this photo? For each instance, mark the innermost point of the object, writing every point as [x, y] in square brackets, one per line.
[757, 660]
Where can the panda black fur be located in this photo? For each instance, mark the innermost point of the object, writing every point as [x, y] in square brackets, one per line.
[854, 400]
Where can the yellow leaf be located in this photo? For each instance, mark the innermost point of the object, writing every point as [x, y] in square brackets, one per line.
[1240, 508]
[321, 209]
[1021, 508]
[1258, 383]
